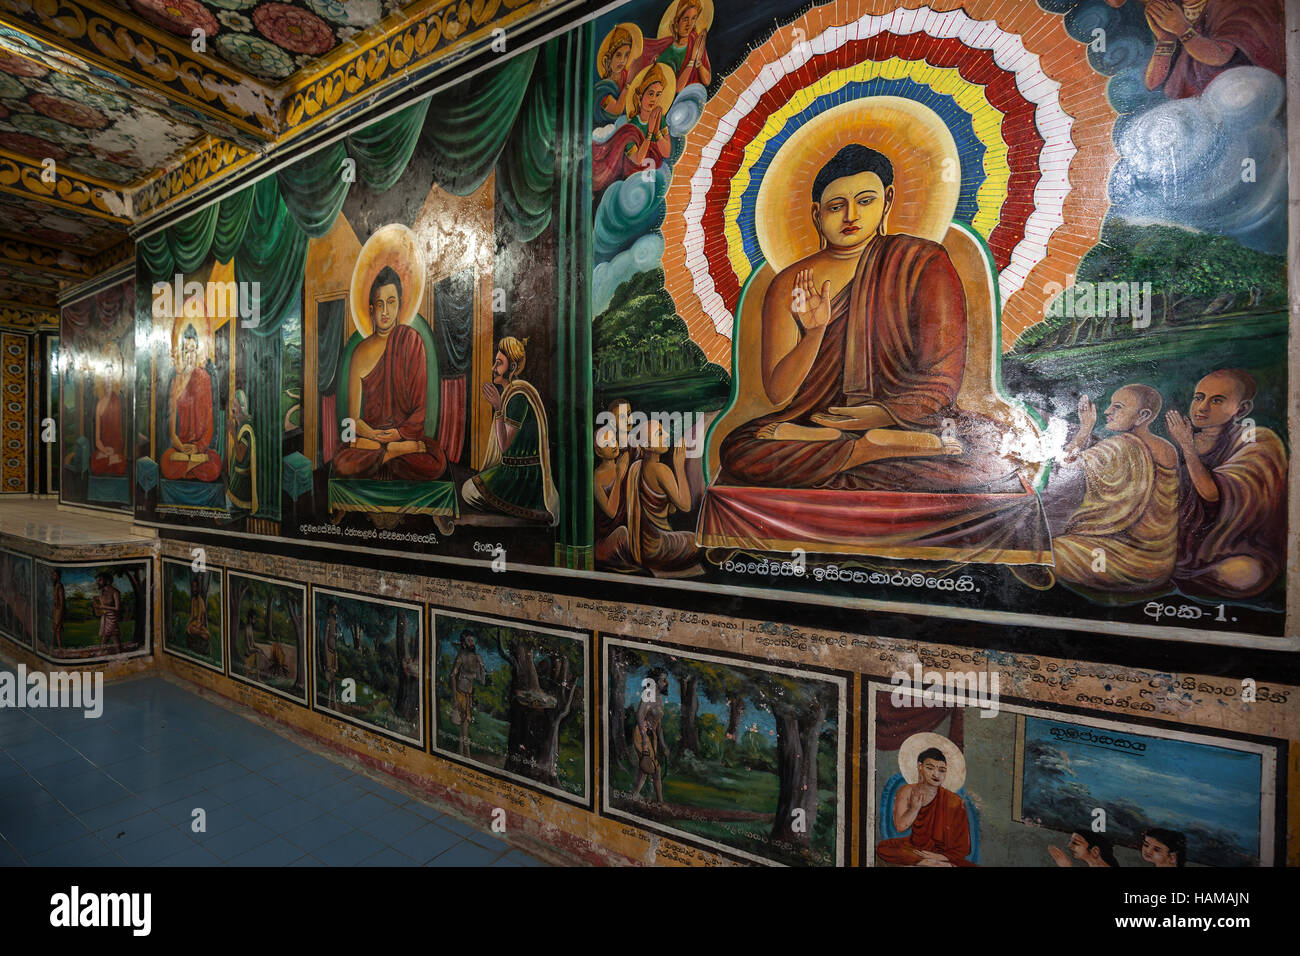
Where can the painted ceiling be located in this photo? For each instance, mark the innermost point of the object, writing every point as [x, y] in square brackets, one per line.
[268, 40]
[140, 103]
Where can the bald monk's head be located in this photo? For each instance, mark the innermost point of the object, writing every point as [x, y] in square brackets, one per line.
[1132, 408]
[1223, 396]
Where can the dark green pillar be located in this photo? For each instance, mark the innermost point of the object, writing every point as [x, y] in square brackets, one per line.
[573, 261]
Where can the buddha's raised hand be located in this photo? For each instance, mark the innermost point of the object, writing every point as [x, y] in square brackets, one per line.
[811, 309]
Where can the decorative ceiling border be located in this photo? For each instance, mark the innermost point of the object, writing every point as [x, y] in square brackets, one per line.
[100, 280]
[21, 176]
[151, 58]
[25, 318]
[201, 166]
[23, 254]
[432, 31]
[121, 254]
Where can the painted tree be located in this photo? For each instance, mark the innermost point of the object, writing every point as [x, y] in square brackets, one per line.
[622, 661]
[543, 687]
[800, 708]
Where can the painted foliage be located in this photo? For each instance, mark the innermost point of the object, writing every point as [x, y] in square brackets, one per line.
[95, 611]
[266, 626]
[1015, 786]
[192, 612]
[16, 597]
[735, 756]
[368, 359]
[96, 407]
[918, 297]
[369, 659]
[513, 698]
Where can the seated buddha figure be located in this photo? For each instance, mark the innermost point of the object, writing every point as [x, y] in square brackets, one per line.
[863, 354]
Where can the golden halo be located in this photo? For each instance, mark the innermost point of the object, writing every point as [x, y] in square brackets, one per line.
[702, 22]
[638, 45]
[394, 246]
[665, 77]
[192, 313]
[916, 744]
[912, 136]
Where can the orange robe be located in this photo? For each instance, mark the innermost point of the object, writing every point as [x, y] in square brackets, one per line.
[940, 827]
[193, 427]
[1248, 520]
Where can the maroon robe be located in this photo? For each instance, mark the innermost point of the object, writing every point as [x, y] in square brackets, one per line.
[1248, 520]
[897, 338]
[193, 427]
[111, 435]
[394, 395]
[1254, 27]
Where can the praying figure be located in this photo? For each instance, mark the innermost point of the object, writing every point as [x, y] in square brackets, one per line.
[1196, 40]
[189, 403]
[1232, 512]
[516, 475]
[387, 391]
[643, 143]
[935, 818]
[197, 626]
[621, 46]
[1129, 512]
[863, 354]
[683, 48]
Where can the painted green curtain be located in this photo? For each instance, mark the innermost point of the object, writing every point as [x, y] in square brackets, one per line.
[502, 119]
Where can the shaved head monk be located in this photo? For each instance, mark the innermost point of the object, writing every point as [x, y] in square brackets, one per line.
[1232, 513]
[863, 353]
[387, 383]
[1130, 498]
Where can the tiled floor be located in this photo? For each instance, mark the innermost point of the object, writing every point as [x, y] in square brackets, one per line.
[122, 790]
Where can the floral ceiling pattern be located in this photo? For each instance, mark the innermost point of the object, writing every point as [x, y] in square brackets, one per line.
[30, 221]
[45, 113]
[268, 40]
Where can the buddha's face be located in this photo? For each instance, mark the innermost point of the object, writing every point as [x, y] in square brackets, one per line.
[1217, 401]
[932, 771]
[1124, 412]
[1156, 853]
[852, 210]
[189, 357]
[650, 98]
[384, 307]
[618, 60]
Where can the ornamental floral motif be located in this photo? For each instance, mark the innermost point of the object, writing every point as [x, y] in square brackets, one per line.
[85, 93]
[16, 65]
[49, 128]
[294, 28]
[106, 170]
[68, 111]
[352, 13]
[235, 21]
[233, 4]
[29, 145]
[55, 236]
[257, 56]
[181, 17]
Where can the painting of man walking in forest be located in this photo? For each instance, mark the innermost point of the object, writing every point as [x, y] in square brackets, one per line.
[513, 700]
[743, 759]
